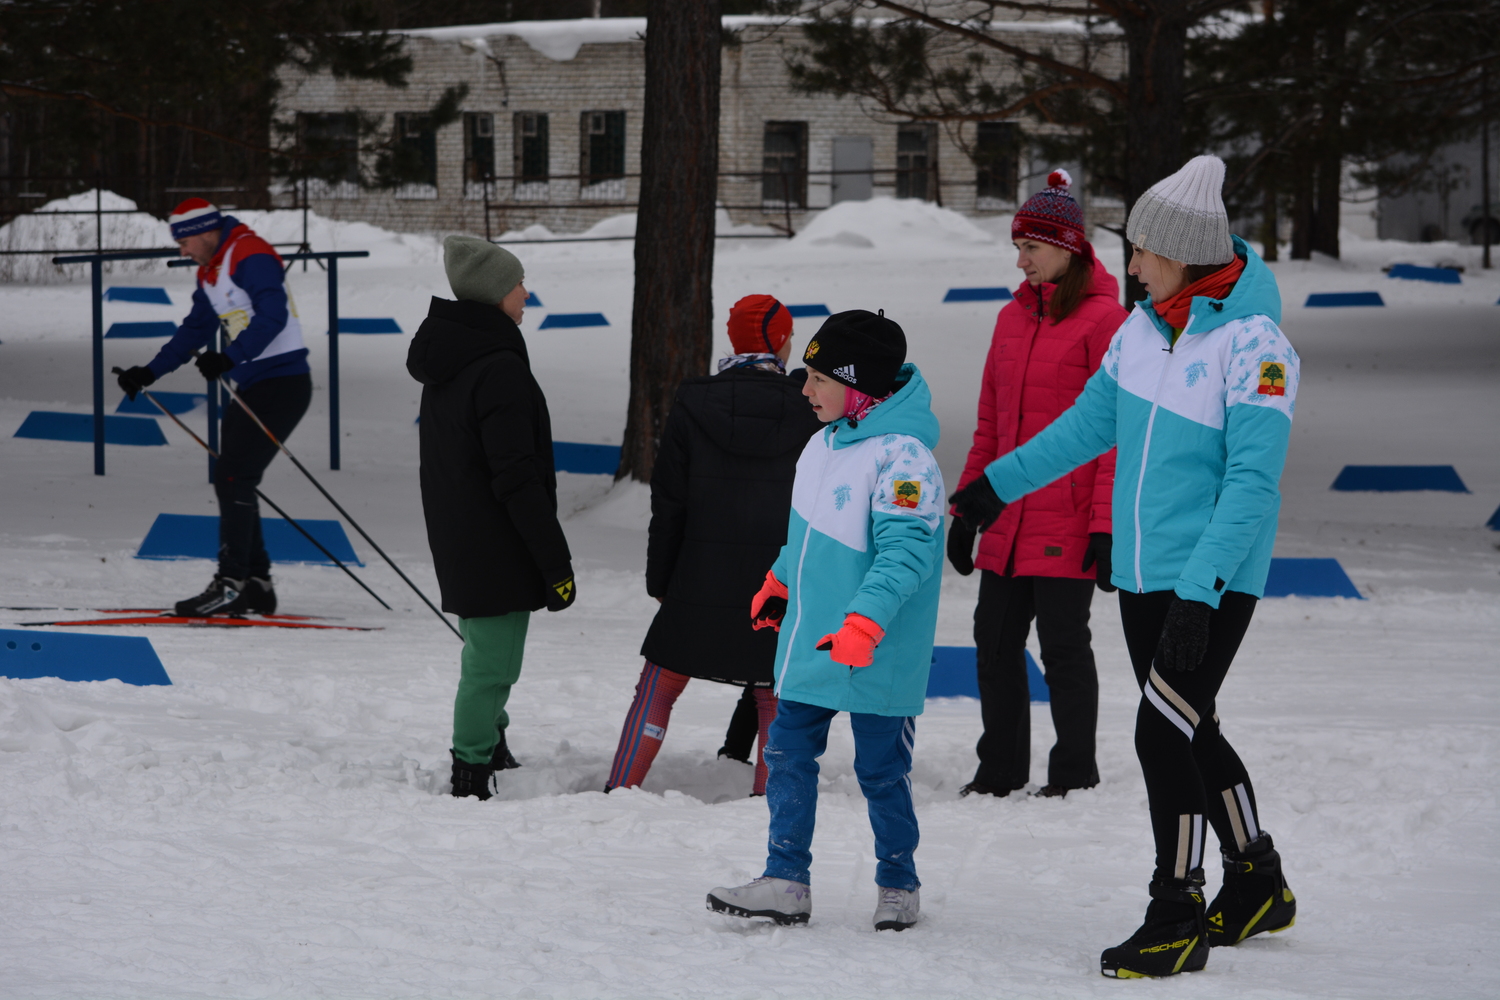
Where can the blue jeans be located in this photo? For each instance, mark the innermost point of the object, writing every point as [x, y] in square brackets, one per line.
[882, 761]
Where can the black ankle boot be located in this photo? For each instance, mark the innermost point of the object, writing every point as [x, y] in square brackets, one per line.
[1171, 940]
[501, 759]
[470, 779]
[1254, 899]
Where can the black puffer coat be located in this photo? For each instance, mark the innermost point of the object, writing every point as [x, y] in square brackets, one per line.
[489, 491]
[720, 494]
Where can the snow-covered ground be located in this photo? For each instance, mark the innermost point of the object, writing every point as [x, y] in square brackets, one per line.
[275, 825]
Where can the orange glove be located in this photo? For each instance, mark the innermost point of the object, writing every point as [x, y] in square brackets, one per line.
[854, 644]
[768, 606]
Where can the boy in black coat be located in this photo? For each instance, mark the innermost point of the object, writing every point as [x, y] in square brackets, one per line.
[489, 492]
[720, 492]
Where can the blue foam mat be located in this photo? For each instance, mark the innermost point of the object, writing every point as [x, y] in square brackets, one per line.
[815, 309]
[977, 295]
[384, 324]
[127, 293]
[588, 459]
[532, 301]
[954, 674]
[1309, 578]
[1440, 275]
[76, 656]
[565, 321]
[1327, 300]
[196, 536]
[46, 425]
[1494, 522]
[1399, 479]
[140, 331]
[175, 402]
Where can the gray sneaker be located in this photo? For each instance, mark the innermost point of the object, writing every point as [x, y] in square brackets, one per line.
[781, 900]
[896, 909]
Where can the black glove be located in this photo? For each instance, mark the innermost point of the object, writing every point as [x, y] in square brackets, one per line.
[1184, 635]
[961, 546]
[978, 505]
[133, 380]
[561, 594]
[213, 364]
[1101, 544]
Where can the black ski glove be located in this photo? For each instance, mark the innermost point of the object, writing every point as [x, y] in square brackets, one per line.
[560, 595]
[978, 505]
[1184, 635]
[1101, 544]
[133, 380]
[213, 364]
[961, 546]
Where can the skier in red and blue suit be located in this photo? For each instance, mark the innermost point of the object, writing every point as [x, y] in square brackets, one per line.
[241, 290]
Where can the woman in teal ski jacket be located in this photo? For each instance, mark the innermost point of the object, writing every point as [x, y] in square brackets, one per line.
[1197, 392]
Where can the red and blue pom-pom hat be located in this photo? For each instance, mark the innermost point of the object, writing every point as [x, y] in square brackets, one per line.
[194, 216]
[1052, 216]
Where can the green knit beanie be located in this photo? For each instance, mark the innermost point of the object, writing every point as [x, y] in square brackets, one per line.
[480, 271]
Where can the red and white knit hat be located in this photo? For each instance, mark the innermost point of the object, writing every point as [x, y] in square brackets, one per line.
[192, 217]
[1052, 216]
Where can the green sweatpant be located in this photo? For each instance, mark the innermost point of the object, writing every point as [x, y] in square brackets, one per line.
[488, 666]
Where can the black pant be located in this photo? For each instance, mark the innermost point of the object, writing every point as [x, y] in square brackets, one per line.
[244, 453]
[1002, 620]
[1191, 770]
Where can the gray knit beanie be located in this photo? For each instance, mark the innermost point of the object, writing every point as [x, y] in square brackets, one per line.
[479, 271]
[1182, 217]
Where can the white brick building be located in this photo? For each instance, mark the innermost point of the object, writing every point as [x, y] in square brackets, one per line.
[553, 114]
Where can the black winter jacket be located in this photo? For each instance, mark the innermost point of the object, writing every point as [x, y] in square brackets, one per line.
[720, 492]
[489, 491]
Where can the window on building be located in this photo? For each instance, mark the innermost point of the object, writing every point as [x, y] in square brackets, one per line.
[416, 145]
[602, 146]
[533, 154]
[783, 180]
[997, 150]
[332, 140]
[479, 147]
[916, 161]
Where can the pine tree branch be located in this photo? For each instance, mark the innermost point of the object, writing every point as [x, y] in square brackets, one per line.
[1083, 76]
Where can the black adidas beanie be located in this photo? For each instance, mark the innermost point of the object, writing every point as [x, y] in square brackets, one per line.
[859, 349]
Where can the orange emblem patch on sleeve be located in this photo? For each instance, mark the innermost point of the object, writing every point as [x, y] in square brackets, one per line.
[1272, 379]
[908, 493]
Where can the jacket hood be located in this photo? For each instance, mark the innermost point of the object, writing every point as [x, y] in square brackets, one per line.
[1032, 298]
[749, 412]
[455, 335]
[909, 411]
[1255, 294]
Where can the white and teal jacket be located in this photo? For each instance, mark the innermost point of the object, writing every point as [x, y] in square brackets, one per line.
[865, 537]
[1202, 430]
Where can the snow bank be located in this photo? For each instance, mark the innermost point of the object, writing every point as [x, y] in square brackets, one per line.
[904, 224]
[38, 231]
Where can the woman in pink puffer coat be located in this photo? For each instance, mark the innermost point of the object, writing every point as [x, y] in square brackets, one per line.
[1044, 556]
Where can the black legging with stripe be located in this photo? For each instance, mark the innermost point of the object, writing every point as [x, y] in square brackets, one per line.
[1191, 770]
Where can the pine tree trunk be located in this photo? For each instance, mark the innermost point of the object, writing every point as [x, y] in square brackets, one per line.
[1270, 223]
[1302, 211]
[1156, 43]
[671, 329]
[1325, 234]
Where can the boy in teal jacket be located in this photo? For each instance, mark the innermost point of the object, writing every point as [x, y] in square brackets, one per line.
[854, 596]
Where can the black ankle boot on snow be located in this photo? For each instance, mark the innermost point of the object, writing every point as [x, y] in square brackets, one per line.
[1254, 899]
[260, 596]
[224, 596]
[501, 759]
[470, 779]
[1171, 940]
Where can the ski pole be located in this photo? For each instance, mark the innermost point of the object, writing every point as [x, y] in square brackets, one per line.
[336, 506]
[269, 503]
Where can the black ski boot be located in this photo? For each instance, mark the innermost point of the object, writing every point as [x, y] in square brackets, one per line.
[225, 596]
[1254, 899]
[260, 596]
[470, 779]
[1171, 940]
[502, 759]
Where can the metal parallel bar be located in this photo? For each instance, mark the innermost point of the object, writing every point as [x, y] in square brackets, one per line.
[333, 363]
[97, 275]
